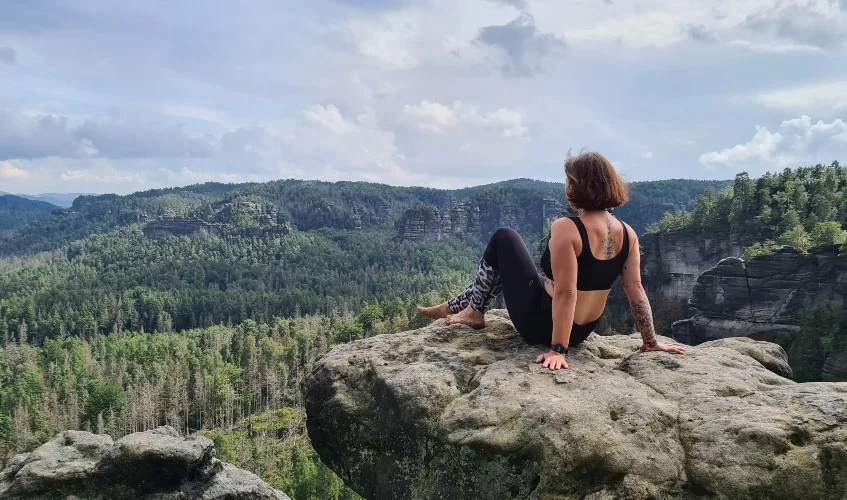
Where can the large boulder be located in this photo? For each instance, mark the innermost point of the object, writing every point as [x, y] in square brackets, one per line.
[157, 464]
[451, 412]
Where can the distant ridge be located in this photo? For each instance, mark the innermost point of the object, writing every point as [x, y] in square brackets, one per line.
[57, 199]
[308, 205]
[17, 211]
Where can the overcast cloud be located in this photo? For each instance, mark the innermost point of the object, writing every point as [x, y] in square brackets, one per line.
[100, 96]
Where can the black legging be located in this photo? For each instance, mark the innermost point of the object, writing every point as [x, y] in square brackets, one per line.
[527, 301]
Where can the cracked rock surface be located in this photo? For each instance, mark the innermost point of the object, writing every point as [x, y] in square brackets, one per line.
[156, 464]
[451, 412]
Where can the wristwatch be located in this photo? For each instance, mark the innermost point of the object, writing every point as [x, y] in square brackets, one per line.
[559, 348]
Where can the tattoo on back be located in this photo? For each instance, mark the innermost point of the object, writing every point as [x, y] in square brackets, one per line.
[609, 241]
[643, 316]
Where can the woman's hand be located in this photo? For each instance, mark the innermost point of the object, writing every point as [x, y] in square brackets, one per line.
[673, 349]
[552, 360]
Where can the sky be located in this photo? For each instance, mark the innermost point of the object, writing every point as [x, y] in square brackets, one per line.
[104, 96]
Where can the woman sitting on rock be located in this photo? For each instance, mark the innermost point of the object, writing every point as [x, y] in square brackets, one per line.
[581, 260]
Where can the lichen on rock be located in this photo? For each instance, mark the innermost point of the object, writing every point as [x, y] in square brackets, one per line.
[450, 412]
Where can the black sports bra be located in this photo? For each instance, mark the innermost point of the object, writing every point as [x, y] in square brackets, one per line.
[592, 273]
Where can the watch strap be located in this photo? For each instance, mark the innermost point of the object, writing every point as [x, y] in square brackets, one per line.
[559, 348]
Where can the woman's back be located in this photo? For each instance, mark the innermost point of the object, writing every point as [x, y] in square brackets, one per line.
[602, 244]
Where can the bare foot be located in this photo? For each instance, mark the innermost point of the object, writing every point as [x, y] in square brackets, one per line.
[468, 317]
[435, 312]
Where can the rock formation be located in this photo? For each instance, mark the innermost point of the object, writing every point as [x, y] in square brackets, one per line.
[476, 218]
[157, 464]
[766, 299]
[672, 262]
[422, 224]
[450, 412]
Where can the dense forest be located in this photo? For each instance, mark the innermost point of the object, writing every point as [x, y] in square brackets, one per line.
[16, 212]
[240, 384]
[803, 207]
[123, 281]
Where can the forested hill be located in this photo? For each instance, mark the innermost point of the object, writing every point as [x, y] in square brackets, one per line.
[16, 211]
[803, 207]
[306, 205]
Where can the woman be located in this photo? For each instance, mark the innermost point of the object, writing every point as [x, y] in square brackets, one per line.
[581, 261]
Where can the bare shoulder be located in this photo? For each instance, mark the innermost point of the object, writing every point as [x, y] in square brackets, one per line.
[633, 237]
[563, 226]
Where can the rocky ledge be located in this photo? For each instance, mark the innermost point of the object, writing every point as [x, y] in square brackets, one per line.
[766, 298]
[449, 412]
[157, 464]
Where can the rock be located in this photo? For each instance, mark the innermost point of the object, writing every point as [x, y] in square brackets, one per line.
[479, 217]
[766, 298]
[835, 367]
[770, 355]
[451, 412]
[672, 262]
[153, 464]
[421, 224]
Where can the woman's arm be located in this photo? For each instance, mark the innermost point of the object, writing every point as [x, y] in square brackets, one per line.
[564, 266]
[638, 302]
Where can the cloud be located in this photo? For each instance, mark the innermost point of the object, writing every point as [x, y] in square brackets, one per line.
[432, 116]
[329, 118]
[699, 33]
[8, 55]
[29, 135]
[323, 143]
[103, 173]
[798, 141]
[436, 117]
[649, 29]
[10, 171]
[375, 4]
[818, 23]
[133, 137]
[647, 155]
[520, 4]
[824, 97]
[775, 47]
[37, 135]
[387, 42]
[200, 113]
[523, 45]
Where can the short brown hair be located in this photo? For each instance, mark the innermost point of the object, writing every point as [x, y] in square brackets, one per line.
[592, 183]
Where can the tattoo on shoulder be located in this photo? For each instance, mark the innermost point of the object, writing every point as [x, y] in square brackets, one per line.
[609, 241]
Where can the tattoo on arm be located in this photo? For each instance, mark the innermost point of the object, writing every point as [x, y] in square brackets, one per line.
[643, 318]
[609, 241]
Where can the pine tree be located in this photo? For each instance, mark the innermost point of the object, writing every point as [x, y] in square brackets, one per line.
[22, 333]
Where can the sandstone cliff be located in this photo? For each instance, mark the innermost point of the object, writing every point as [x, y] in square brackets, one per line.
[766, 299]
[671, 262]
[156, 464]
[450, 412]
[477, 218]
